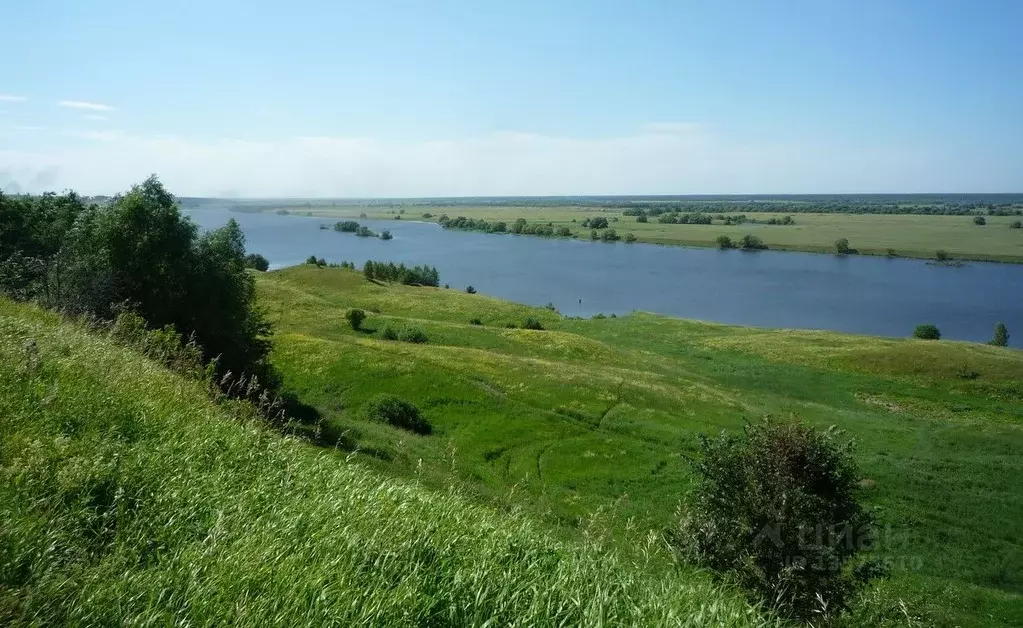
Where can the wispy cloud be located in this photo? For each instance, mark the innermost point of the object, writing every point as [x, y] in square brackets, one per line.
[81, 104]
[12, 98]
[93, 116]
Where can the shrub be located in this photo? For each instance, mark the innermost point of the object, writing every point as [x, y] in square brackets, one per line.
[470, 290]
[594, 235]
[386, 235]
[609, 236]
[396, 412]
[1001, 336]
[346, 226]
[927, 332]
[510, 326]
[597, 223]
[564, 232]
[724, 242]
[427, 215]
[776, 508]
[641, 219]
[364, 232]
[475, 321]
[751, 243]
[312, 260]
[256, 261]
[355, 318]
[411, 333]
[979, 220]
[942, 256]
[1016, 224]
[630, 237]
[842, 246]
[891, 253]
[531, 323]
[389, 333]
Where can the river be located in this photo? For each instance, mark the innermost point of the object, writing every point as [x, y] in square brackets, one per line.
[864, 295]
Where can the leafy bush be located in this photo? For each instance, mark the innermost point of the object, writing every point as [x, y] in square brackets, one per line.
[346, 226]
[979, 220]
[355, 317]
[386, 235]
[942, 256]
[531, 323]
[1016, 224]
[564, 232]
[724, 242]
[596, 223]
[475, 321]
[630, 237]
[842, 246]
[412, 333]
[396, 412]
[927, 332]
[641, 218]
[751, 242]
[364, 232]
[470, 290]
[1001, 336]
[389, 333]
[256, 261]
[609, 236]
[776, 508]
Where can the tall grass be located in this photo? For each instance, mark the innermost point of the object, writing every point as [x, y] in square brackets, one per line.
[127, 497]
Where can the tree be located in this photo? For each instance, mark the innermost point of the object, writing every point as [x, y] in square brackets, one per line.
[724, 242]
[630, 237]
[927, 332]
[470, 290]
[842, 246]
[346, 226]
[256, 261]
[751, 243]
[942, 256]
[1016, 224]
[386, 235]
[355, 318]
[1001, 337]
[532, 323]
[979, 220]
[641, 218]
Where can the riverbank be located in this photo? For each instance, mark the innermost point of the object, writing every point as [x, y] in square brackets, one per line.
[598, 416]
[906, 235]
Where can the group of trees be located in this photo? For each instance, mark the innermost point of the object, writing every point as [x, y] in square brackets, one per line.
[414, 276]
[748, 242]
[139, 253]
[929, 331]
[697, 218]
[520, 226]
[350, 226]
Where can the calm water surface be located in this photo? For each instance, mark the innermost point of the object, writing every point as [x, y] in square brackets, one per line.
[868, 295]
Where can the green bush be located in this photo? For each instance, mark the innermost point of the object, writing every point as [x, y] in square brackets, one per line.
[531, 323]
[396, 412]
[630, 237]
[1001, 336]
[389, 333]
[979, 221]
[412, 333]
[470, 290]
[776, 509]
[891, 253]
[1016, 224]
[927, 332]
[842, 246]
[475, 321]
[355, 318]
[256, 261]
[346, 226]
[724, 242]
[564, 232]
[942, 256]
[641, 218]
[386, 235]
[751, 242]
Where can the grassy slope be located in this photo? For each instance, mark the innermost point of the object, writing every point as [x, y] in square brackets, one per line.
[596, 415]
[127, 498]
[910, 235]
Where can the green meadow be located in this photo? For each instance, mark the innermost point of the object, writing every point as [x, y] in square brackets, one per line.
[587, 425]
[909, 235]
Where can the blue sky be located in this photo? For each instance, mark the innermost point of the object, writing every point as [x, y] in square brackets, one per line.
[466, 98]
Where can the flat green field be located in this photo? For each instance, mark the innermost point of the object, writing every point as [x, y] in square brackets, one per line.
[909, 235]
[587, 423]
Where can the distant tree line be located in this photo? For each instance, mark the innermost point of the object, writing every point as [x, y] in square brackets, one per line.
[520, 226]
[410, 276]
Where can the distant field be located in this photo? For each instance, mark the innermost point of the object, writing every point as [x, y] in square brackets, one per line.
[918, 236]
[591, 420]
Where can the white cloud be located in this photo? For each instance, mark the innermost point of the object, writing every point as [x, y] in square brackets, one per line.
[12, 98]
[79, 104]
[669, 160]
[96, 117]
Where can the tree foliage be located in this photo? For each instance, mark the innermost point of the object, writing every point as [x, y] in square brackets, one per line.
[776, 507]
[409, 276]
[1001, 336]
[927, 331]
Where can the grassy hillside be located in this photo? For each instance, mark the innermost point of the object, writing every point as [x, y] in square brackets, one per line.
[591, 420]
[873, 234]
[128, 498]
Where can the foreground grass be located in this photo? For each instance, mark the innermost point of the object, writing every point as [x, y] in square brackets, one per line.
[914, 236]
[127, 498]
[595, 418]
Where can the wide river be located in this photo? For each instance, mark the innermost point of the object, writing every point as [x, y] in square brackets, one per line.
[867, 295]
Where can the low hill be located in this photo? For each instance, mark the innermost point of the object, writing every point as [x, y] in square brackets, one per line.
[592, 420]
